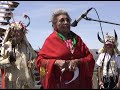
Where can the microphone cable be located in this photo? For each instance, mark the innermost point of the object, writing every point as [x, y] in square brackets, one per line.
[99, 22]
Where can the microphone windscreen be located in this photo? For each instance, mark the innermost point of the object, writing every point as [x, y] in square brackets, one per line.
[74, 24]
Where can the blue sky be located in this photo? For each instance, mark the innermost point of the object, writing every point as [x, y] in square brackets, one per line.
[40, 13]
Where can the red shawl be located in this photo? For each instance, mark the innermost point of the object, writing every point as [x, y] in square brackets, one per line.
[55, 48]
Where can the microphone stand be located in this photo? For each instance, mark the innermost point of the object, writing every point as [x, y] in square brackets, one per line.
[90, 19]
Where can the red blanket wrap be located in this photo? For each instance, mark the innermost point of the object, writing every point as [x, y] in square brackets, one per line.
[55, 48]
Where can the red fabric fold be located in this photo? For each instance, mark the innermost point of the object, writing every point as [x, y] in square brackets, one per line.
[3, 78]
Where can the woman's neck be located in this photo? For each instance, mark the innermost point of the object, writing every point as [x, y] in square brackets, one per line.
[66, 34]
[110, 53]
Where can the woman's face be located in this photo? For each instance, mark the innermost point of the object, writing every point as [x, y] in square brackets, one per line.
[17, 36]
[63, 23]
[109, 47]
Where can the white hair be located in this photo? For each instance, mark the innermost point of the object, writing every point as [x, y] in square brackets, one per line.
[56, 13]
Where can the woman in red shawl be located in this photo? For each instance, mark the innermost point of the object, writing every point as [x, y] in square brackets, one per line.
[64, 61]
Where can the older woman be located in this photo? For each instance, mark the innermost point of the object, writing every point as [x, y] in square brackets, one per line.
[109, 64]
[64, 61]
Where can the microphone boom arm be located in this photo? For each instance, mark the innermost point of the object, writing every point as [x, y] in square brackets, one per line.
[90, 19]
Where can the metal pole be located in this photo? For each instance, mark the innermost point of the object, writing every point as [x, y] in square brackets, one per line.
[90, 19]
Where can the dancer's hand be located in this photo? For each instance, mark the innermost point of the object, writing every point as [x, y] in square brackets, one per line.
[101, 84]
[60, 63]
[73, 64]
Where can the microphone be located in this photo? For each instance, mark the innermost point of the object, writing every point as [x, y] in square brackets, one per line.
[82, 16]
